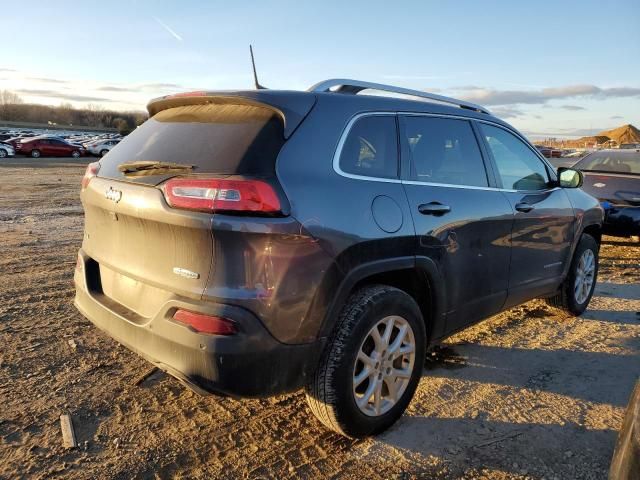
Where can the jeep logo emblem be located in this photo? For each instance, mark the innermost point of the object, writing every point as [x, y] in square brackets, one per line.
[113, 195]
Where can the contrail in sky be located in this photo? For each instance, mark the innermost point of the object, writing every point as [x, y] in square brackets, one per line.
[168, 29]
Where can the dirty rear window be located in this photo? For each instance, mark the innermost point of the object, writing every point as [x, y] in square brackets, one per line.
[214, 138]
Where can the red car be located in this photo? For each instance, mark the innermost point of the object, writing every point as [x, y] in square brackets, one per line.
[549, 152]
[49, 147]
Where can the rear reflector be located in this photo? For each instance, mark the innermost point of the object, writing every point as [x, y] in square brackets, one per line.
[206, 323]
[220, 195]
[91, 171]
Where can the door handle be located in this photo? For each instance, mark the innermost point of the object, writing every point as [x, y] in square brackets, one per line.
[524, 207]
[433, 208]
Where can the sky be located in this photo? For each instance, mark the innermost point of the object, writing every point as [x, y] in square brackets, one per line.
[550, 68]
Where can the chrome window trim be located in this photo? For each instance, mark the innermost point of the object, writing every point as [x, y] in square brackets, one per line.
[355, 118]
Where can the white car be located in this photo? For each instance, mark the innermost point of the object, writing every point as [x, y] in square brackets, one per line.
[102, 148]
[6, 150]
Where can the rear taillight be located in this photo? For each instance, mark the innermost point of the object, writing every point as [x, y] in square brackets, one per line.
[206, 323]
[221, 195]
[91, 171]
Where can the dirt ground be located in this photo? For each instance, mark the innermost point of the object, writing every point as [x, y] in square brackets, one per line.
[524, 394]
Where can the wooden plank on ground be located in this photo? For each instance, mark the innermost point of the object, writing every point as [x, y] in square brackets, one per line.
[68, 434]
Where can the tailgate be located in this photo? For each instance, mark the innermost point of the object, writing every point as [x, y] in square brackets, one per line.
[146, 251]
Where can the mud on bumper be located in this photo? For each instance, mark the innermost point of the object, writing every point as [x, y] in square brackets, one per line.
[250, 363]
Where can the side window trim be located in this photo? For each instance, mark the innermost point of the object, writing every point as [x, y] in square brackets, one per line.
[343, 139]
[552, 178]
[487, 157]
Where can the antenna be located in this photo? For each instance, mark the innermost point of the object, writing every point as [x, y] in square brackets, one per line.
[255, 75]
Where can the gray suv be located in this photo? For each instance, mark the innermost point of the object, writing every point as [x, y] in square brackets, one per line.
[252, 243]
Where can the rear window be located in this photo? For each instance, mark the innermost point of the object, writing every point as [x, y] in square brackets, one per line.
[214, 138]
[614, 162]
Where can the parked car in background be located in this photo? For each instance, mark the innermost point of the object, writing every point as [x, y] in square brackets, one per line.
[101, 147]
[629, 146]
[6, 150]
[613, 177]
[48, 147]
[549, 152]
[324, 240]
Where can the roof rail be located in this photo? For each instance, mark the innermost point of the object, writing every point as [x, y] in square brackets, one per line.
[355, 86]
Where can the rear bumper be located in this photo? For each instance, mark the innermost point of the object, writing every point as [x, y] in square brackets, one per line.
[249, 364]
[622, 221]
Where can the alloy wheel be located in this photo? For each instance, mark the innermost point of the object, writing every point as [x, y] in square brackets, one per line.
[384, 365]
[584, 276]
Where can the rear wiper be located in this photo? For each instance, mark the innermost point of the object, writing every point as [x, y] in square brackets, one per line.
[150, 167]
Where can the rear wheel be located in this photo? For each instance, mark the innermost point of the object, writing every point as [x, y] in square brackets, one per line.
[372, 363]
[3, 153]
[577, 289]
[35, 153]
[75, 154]
[103, 152]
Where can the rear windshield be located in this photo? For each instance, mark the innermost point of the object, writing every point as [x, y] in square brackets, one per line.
[614, 162]
[227, 139]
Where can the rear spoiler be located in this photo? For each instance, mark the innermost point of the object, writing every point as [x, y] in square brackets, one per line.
[292, 106]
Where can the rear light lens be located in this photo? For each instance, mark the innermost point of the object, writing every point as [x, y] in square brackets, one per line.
[91, 171]
[206, 323]
[221, 195]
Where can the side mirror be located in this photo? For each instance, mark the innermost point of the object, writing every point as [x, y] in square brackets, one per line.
[570, 178]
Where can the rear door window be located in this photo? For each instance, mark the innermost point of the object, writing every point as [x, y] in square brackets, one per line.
[442, 150]
[371, 148]
[214, 138]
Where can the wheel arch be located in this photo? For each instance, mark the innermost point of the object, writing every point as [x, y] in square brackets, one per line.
[595, 230]
[417, 276]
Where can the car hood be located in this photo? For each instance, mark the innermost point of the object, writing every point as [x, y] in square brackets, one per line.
[615, 188]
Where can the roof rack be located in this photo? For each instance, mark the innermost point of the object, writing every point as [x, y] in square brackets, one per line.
[355, 86]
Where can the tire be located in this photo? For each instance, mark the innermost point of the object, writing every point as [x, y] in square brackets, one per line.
[3, 153]
[35, 153]
[331, 394]
[567, 300]
[103, 152]
[75, 154]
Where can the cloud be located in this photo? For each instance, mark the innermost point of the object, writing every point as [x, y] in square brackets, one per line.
[111, 88]
[7, 70]
[160, 86]
[489, 96]
[168, 29]
[573, 108]
[61, 96]
[47, 80]
[616, 117]
[506, 112]
[144, 86]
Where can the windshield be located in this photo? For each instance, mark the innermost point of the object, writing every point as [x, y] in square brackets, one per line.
[611, 161]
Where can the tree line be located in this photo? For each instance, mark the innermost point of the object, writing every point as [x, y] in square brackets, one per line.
[14, 109]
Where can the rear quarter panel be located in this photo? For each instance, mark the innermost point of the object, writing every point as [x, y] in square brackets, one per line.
[335, 210]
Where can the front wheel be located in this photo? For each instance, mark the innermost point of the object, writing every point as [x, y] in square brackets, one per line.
[372, 364]
[577, 289]
[75, 154]
[35, 153]
[3, 153]
[104, 152]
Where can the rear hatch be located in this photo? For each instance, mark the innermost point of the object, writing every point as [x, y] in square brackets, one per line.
[143, 250]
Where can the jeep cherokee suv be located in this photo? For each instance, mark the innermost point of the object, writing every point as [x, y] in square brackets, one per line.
[252, 243]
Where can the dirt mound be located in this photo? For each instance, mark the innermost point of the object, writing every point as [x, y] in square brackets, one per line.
[624, 134]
